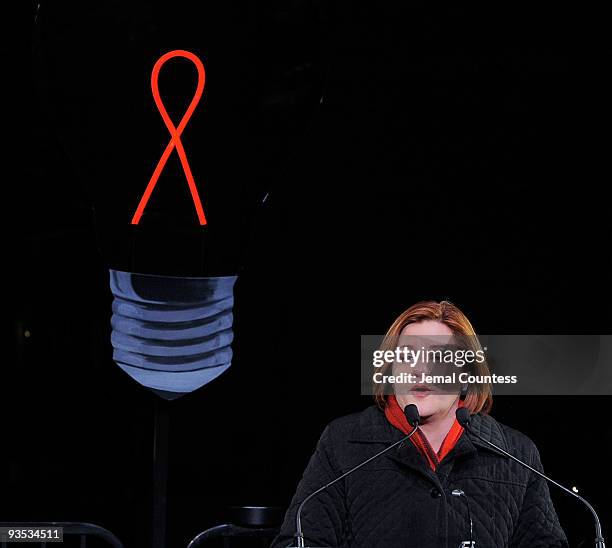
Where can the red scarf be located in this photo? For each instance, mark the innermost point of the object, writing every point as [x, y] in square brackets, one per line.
[396, 417]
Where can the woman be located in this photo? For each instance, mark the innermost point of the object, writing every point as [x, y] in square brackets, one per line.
[426, 491]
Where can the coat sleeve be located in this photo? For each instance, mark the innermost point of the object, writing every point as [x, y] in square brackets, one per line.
[538, 525]
[324, 516]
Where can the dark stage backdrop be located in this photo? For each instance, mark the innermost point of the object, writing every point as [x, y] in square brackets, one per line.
[458, 153]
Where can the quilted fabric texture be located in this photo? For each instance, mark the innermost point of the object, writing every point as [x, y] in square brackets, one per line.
[397, 501]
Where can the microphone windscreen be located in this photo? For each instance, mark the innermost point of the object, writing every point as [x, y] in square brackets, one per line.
[463, 416]
[412, 414]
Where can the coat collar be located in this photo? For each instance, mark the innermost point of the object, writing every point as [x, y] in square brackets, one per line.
[373, 427]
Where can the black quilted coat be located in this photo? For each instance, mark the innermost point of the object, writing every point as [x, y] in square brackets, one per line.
[397, 501]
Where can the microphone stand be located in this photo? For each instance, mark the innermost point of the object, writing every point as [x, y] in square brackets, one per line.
[464, 419]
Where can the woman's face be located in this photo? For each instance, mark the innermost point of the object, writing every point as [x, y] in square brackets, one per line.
[430, 402]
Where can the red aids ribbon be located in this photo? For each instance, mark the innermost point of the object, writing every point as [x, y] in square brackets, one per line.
[175, 134]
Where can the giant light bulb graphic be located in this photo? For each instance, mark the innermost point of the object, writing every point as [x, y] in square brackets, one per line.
[172, 334]
[174, 191]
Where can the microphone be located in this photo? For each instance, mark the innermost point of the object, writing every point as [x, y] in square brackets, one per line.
[412, 415]
[464, 419]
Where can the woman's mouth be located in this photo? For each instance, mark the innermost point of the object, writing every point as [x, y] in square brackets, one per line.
[421, 391]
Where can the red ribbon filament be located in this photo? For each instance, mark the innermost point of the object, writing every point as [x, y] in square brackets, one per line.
[175, 134]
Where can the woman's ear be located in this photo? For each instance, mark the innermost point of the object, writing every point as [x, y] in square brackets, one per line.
[464, 391]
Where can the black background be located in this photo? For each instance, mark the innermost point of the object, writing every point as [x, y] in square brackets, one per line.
[458, 153]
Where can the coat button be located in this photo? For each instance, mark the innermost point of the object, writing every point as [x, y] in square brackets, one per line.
[435, 493]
